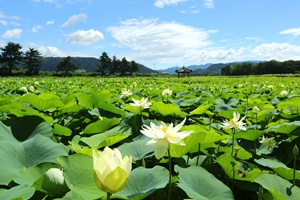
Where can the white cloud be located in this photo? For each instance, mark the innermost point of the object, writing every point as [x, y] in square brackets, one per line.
[3, 22]
[36, 28]
[210, 55]
[277, 51]
[293, 31]
[14, 33]
[84, 38]
[74, 19]
[50, 51]
[166, 42]
[162, 3]
[209, 3]
[50, 22]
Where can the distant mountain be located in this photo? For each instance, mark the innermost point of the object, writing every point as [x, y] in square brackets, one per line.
[216, 68]
[87, 63]
[172, 70]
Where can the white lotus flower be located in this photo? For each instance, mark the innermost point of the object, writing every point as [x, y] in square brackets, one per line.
[142, 104]
[268, 143]
[162, 135]
[24, 89]
[126, 93]
[284, 92]
[235, 122]
[167, 92]
[31, 89]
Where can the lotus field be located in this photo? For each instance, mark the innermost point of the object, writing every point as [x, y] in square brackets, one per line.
[150, 138]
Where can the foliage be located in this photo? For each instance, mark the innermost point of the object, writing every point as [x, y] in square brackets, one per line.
[59, 123]
[10, 57]
[33, 61]
[66, 66]
[267, 67]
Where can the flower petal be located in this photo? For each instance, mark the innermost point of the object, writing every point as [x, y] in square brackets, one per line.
[161, 148]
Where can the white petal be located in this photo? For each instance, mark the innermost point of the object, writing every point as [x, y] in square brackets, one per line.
[161, 148]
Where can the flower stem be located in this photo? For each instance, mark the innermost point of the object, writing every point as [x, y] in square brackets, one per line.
[170, 175]
[198, 154]
[108, 196]
[232, 150]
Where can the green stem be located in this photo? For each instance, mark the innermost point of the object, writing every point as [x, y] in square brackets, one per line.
[198, 154]
[232, 150]
[294, 172]
[170, 175]
[108, 196]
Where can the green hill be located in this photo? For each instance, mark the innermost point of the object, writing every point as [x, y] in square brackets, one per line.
[87, 63]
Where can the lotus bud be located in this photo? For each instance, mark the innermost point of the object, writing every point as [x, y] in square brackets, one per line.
[110, 170]
[295, 150]
[54, 182]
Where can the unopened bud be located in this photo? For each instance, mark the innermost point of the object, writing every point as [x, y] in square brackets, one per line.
[256, 109]
[295, 150]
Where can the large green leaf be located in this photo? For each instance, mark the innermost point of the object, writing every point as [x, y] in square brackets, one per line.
[18, 192]
[42, 104]
[190, 142]
[61, 130]
[101, 125]
[201, 185]
[78, 173]
[280, 188]
[137, 149]
[291, 102]
[286, 128]
[28, 126]
[249, 134]
[16, 156]
[108, 138]
[201, 109]
[233, 168]
[280, 168]
[143, 182]
[165, 109]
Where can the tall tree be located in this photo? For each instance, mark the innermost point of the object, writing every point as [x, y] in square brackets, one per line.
[124, 67]
[33, 61]
[105, 63]
[134, 67]
[115, 65]
[66, 66]
[11, 56]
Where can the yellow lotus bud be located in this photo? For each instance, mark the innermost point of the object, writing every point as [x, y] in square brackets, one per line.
[110, 170]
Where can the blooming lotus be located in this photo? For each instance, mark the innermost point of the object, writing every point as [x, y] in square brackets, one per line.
[162, 135]
[126, 93]
[167, 92]
[110, 170]
[141, 104]
[268, 143]
[235, 122]
[284, 92]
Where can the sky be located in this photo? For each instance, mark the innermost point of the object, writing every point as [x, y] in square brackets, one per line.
[156, 33]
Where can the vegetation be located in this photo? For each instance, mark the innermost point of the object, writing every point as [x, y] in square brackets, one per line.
[268, 67]
[66, 66]
[238, 137]
[33, 61]
[10, 57]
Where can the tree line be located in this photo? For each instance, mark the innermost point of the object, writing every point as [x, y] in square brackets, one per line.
[11, 58]
[267, 67]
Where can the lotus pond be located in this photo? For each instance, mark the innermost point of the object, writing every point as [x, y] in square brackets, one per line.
[50, 126]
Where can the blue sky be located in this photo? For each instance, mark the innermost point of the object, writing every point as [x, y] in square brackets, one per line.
[156, 33]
